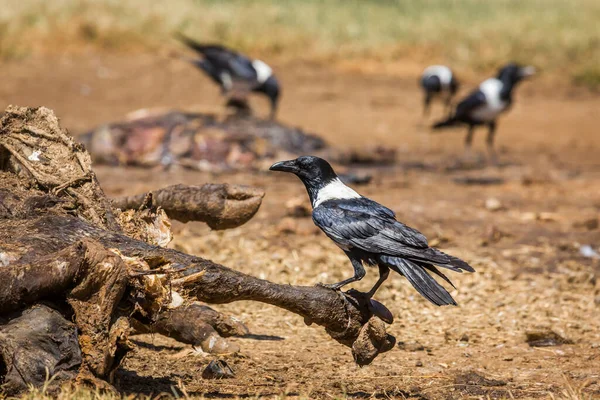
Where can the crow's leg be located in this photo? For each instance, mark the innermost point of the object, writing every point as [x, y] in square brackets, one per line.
[449, 105]
[490, 142]
[469, 141]
[273, 113]
[426, 104]
[359, 273]
[384, 272]
[469, 137]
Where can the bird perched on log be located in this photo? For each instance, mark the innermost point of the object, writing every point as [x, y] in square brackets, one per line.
[438, 81]
[485, 104]
[370, 234]
[233, 71]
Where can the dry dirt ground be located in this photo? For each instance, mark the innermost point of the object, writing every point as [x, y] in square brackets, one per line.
[522, 234]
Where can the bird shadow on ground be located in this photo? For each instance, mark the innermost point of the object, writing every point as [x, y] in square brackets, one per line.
[155, 347]
[417, 166]
[253, 336]
[478, 180]
[219, 395]
[130, 383]
[381, 395]
[449, 165]
[480, 163]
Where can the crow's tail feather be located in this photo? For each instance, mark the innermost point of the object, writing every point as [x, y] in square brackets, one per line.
[185, 39]
[191, 43]
[453, 263]
[447, 123]
[438, 273]
[432, 255]
[424, 283]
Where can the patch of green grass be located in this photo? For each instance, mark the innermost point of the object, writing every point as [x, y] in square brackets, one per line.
[556, 35]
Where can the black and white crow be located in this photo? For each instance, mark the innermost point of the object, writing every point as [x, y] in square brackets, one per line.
[438, 80]
[228, 68]
[484, 105]
[369, 234]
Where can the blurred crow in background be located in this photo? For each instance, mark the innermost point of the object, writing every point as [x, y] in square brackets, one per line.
[234, 71]
[438, 81]
[484, 105]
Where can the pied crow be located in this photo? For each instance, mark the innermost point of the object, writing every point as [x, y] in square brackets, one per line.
[438, 81]
[370, 234]
[228, 69]
[485, 104]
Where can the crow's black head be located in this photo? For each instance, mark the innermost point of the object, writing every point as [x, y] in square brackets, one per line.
[270, 87]
[313, 171]
[512, 73]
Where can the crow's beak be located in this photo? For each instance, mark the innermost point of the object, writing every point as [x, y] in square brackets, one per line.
[285, 166]
[526, 72]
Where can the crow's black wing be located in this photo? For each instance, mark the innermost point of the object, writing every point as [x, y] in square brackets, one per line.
[203, 48]
[366, 205]
[360, 222]
[236, 64]
[384, 219]
[222, 58]
[367, 225]
[472, 102]
[242, 68]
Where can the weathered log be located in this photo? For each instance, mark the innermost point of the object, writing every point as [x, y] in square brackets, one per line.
[343, 316]
[147, 223]
[60, 240]
[221, 206]
[93, 281]
[35, 148]
[37, 344]
[182, 317]
[50, 274]
[197, 325]
[103, 332]
[351, 317]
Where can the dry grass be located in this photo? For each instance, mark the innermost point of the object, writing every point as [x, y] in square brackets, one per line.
[569, 392]
[558, 35]
[69, 392]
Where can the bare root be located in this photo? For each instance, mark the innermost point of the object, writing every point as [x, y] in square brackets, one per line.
[221, 206]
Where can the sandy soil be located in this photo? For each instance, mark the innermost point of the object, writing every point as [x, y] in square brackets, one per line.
[525, 247]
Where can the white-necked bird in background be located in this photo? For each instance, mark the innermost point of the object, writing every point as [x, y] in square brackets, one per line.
[484, 105]
[370, 234]
[438, 81]
[229, 68]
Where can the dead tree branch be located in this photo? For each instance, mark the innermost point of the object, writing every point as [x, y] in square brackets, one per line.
[344, 317]
[197, 325]
[221, 206]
